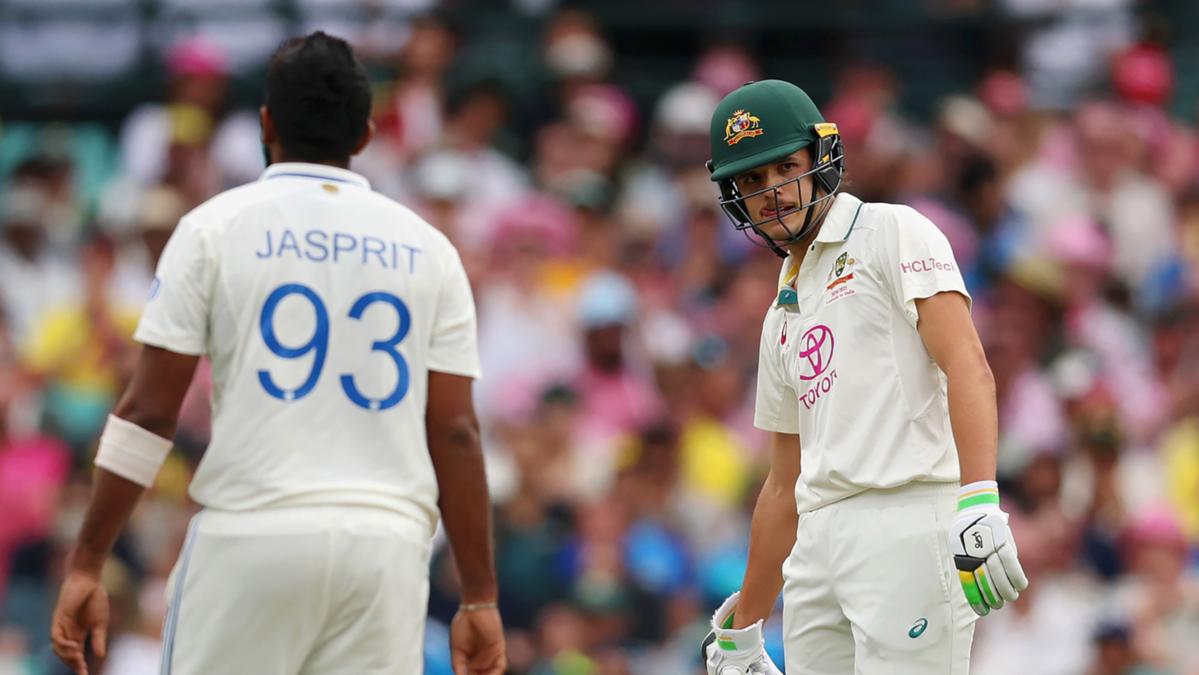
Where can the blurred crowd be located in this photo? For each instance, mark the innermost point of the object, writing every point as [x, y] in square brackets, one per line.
[619, 318]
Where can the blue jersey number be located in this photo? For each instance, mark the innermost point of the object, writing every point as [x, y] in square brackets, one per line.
[387, 346]
[319, 343]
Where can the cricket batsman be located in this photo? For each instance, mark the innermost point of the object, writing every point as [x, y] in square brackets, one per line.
[880, 518]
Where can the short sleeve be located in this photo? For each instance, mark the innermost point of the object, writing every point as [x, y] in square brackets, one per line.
[454, 344]
[176, 313]
[918, 261]
[776, 407]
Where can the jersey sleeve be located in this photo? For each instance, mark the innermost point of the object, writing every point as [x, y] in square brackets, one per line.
[918, 262]
[176, 314]
[776, 406]
[453, 345]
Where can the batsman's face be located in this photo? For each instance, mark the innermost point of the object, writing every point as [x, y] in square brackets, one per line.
[784, 208]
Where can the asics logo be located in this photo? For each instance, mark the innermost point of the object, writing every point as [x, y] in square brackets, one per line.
[917, 628]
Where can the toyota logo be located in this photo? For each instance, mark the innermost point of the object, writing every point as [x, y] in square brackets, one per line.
[816, 346]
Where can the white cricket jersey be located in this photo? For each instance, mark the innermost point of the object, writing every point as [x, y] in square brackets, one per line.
[842, 364]
[322, 306]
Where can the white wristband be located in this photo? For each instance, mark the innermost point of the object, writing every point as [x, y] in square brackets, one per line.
[131, 452]
[983, 494]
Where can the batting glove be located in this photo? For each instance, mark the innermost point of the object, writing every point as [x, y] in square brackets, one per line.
[735, 652]
[984, 550]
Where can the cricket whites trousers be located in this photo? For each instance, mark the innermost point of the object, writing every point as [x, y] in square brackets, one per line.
[302, 590]
[870, 587]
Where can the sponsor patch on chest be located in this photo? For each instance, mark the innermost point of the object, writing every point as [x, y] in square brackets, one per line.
[809, 361]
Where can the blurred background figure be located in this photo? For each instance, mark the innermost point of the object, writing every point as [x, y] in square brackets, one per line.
[193, 140]
[561, 147]
[409, 118]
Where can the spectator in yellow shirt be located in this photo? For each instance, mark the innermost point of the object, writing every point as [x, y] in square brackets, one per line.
[81, 351]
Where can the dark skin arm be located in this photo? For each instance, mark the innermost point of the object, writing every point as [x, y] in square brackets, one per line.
[151, 401]
[476, 637]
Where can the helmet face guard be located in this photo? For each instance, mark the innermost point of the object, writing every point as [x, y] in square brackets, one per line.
[826, 174]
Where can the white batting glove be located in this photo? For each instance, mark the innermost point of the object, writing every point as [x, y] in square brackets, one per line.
[735, 652]
[984, 550]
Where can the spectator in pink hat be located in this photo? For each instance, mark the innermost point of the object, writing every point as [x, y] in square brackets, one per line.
[725, 66]
[1096, 174]
[1143, 76]
[1085, 253]
[1161, 595]
[193, 128]
[524, 280]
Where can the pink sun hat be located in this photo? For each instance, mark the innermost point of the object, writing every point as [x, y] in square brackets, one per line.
[197, 57]
[1078, 240]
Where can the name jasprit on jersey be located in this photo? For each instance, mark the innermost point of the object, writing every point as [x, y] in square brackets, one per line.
[320, 246]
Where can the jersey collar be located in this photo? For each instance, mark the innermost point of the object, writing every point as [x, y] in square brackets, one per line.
[315, 172]
[837, 226]
[840, 219]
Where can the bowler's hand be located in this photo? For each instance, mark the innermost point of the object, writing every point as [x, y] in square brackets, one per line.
[477, 643]
[82, 609]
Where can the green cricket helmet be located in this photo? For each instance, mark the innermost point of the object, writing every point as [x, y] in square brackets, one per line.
[764, 122]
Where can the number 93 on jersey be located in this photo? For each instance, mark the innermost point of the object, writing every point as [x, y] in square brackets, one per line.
[316, 344]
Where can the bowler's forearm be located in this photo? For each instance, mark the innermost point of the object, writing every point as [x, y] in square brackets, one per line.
[113, 499]
[974, 418]
[771, 537]
[465, 506]
[150, 407]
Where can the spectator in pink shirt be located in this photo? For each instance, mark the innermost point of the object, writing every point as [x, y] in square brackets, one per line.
[33, 469]
[616, 398]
